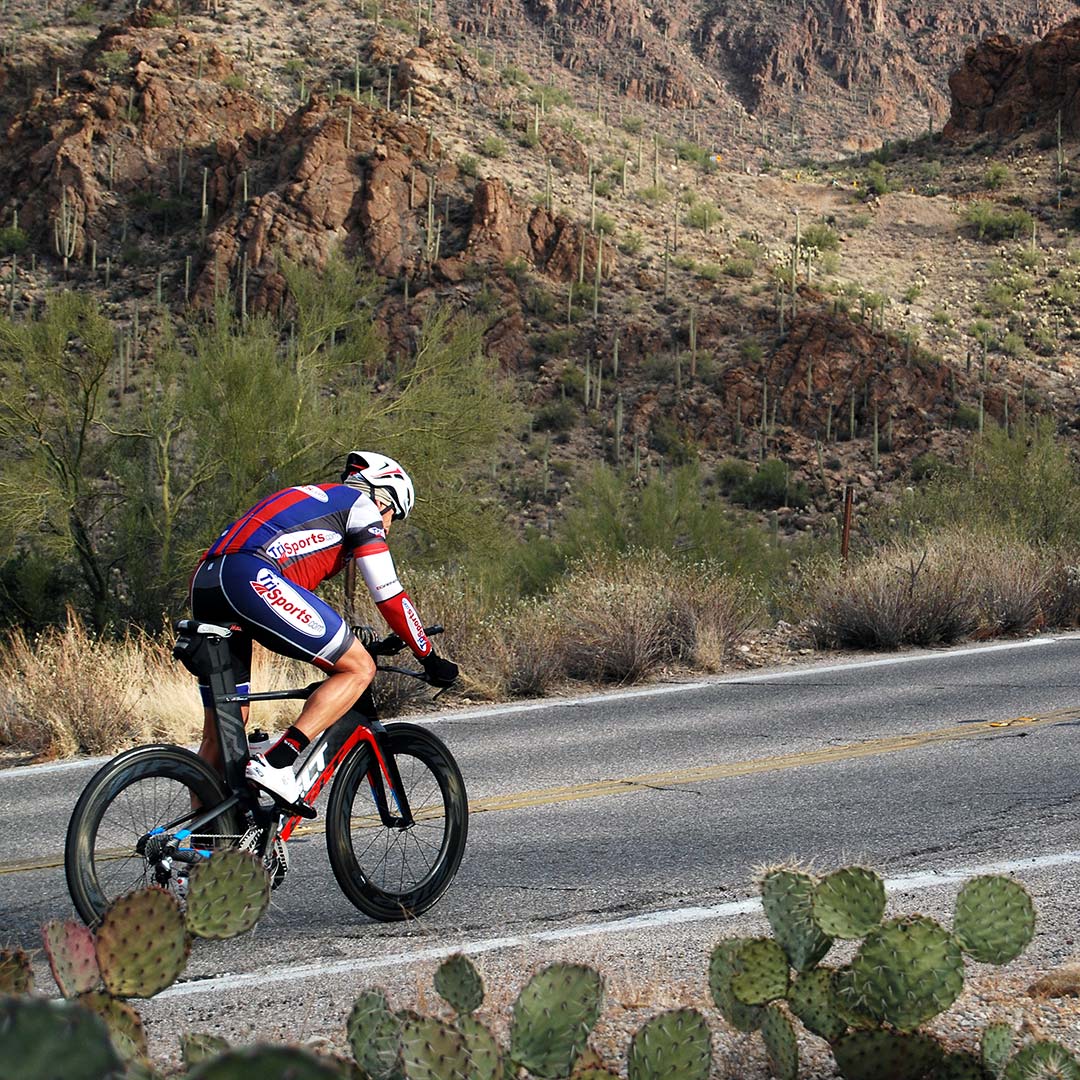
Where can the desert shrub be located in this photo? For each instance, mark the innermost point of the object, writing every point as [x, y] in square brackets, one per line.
[515, 76]
[234, 82]
[114, 62]
[750, 350]
[739, 268]
[709, 271]
[703, 215]
[877, 182]
[550, 96]
[716, 611]
[13, 240]
[559, 415]
[733, 473]
[966, 416]
[631, 242]
[469, 165]
[605, 224]
[822, 237]
[771, 487]
[925, 466]
[1009, 581]
[996, 176]
[895, 596]
[1060, 601]
[493, 147]
[528, 648]
[84, 15]
[992, 224]
[633, 124]
[653, 195]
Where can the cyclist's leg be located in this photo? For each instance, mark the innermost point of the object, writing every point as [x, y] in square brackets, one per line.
[289, 619]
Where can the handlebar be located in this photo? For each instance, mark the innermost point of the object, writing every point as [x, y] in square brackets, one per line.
[390, 645]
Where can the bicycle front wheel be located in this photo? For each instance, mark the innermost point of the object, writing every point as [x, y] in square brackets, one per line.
[126, 799]
[394, 873]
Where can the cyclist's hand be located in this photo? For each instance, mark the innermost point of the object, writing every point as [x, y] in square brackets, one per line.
[440, 671]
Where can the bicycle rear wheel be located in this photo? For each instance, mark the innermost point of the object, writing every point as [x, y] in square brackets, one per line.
[129, 796]
[391, 873]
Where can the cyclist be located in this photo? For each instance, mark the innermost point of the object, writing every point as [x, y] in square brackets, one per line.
[260, 573]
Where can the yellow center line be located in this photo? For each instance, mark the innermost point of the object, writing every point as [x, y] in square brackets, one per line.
[521, 800]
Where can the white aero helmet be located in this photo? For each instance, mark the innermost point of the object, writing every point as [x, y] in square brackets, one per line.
[382, 478]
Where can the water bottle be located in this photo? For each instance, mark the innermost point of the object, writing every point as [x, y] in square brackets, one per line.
[259, 742]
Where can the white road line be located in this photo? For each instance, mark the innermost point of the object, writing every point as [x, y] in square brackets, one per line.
[489, 711]
[649, 920]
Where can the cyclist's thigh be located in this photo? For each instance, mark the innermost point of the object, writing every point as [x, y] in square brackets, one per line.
[209, 604]
[281, 615]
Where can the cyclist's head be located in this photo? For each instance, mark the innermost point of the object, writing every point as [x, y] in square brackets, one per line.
[382, 478]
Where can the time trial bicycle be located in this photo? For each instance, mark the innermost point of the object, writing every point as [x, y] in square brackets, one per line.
[396, 821]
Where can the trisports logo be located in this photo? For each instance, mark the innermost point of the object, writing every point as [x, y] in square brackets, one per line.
[314, 492]
[416, 624]
[282, 598]
[293, 545]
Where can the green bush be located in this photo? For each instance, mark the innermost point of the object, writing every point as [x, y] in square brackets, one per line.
[631, 242]
[84, 15]
[605, 224]
[877, 182]
[633, 124]
[822, 237]
[993, 225]
[996, 175]
[966, 416]
[739, 268]
[703, 215]
[771, 487]
[926, 466]
[13, 240]
[653, 195]
[493, 147]
[733, 473]
[559, 415]
[469, 165]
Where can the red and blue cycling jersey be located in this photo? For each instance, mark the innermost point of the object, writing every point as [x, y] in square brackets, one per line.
[267, 563]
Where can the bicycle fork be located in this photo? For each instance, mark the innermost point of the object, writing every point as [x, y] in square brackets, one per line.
[388, 768]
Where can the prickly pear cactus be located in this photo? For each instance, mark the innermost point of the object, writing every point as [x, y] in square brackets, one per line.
[961, 1066]
[997, 1046]
[787, 897]
[885, 1055]
[483, 1049]
[722, 969]
[375, 1036]
[780, 1044]
[44, 1039]
[433, 1051]
[264, 1062]
[761, 972]
[199, 1046]
[905, 972]
[553, 1016]
[141, 944]
[227, 894]
[995, 919]
[849, 903]
[16, 974]
[675, 1043]
[72, 956]
[459, 984]
[811, 999]
[124, 1023]
[1043, 1060]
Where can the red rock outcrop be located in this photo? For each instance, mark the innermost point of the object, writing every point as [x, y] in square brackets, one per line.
[1005, 86]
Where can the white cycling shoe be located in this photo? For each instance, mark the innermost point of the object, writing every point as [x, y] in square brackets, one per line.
[281, 783]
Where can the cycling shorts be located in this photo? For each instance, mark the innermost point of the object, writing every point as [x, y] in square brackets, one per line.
[284, 617]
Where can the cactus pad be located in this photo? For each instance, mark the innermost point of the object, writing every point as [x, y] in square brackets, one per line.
[264, 1062]
[16, 974]
[675, 1043]
[141, 943]
[594, 1074]
[124, 1023]
[459, 984]
[780, 1044]
[905, 972]
[375, 1035]
[433, 1051]
[72, 956]
[227, 894]
[961, 1066]
[484, 1052]
[553, 1016]
[995, 919]
[849, 903]
[46, 1039]
[200, 1046]
[761, 972]
[787, 897]
[996, 1046]
[722, 970]
[885, 1055]
[1043, 1060]
[811, 1000]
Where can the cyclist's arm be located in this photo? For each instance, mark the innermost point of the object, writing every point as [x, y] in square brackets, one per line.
[376, 566]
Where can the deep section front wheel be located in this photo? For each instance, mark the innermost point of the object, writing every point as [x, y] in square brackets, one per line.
[393, 873]
[130, 796]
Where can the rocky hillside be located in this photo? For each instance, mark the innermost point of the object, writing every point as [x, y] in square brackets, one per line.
[621, 192]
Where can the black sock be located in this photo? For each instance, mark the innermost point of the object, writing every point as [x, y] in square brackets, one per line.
[287, 749]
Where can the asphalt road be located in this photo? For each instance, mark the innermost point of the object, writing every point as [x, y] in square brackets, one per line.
[627, 825]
